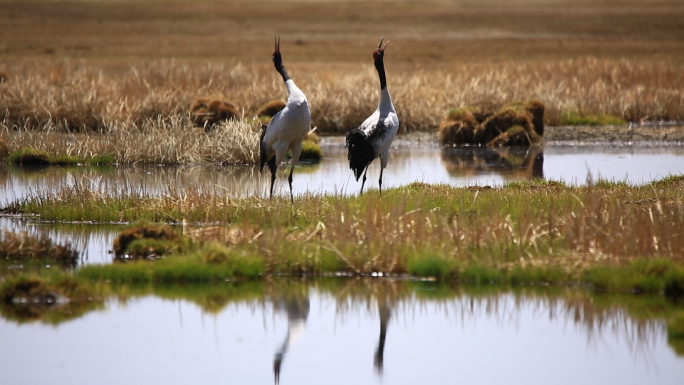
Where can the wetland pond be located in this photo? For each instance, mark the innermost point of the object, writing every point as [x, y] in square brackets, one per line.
[344, 330]
[347, 330]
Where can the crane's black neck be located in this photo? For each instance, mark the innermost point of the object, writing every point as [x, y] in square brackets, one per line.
[280, 67]
[380, 66]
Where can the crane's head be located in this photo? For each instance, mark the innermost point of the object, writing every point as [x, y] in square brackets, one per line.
[276, 52]
[380, 51]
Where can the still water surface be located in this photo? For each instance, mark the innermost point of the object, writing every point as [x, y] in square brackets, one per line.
[350, 331]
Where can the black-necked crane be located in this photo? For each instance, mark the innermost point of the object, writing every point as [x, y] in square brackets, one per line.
[374, 136]
[287, 128]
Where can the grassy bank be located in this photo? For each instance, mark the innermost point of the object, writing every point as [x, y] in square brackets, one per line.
[613, 236]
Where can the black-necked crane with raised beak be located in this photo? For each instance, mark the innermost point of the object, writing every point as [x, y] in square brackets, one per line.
[287, 128]
[374, 136]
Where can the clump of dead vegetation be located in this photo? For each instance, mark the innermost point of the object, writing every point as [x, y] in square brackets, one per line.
[207, 112]
[146, 240]
[514, 125]
[268, 110]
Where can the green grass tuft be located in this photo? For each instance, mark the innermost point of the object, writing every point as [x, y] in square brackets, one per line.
[430, 266]
[29, 157]
[576, 118]
[311, 151]
[102, 160]
[670, 181]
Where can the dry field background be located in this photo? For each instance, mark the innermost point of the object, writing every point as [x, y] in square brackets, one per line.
[103, 65]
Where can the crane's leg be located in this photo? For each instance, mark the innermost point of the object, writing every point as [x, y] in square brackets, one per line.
[296, 152]
[273, 167]
[364, 179]
[380, 181]
[289, 179]
[384, 158]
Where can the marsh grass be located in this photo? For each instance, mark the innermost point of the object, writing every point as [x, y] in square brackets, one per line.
[577, 118]
[106, 98]
[526, 232]
[173, 140]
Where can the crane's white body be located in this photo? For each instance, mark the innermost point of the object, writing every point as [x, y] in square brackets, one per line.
[287, 128]
[381, 127]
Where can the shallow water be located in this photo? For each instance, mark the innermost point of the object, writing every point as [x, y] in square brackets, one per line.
[349, 331]
[409, 162]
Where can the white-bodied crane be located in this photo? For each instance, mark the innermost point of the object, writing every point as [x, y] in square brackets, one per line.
[287, 128]
[374, 136]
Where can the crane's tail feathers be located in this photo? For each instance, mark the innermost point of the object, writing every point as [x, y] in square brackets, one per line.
[360, 152]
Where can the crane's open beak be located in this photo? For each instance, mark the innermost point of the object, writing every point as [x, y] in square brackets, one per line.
[277, 45]
[380, 47]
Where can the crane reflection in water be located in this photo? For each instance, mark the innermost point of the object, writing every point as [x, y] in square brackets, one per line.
[295, 304]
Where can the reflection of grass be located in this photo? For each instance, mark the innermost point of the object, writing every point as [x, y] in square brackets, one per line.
[53, 299]
[24, 247]
[594, 313]
[576, 118]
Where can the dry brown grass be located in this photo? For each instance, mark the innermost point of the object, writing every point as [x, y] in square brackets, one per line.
[75, 95]
[127, 61]
[170, 140]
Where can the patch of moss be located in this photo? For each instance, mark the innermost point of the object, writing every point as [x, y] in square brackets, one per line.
[311, 151]
[29, 157]
[578, 118]
[640, 275]
[430, 266]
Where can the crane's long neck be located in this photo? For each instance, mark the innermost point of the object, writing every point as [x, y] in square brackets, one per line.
[385, 99]
[280, 67]
[380, 66]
